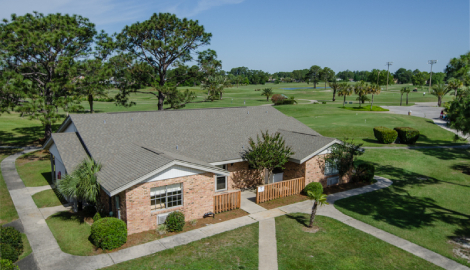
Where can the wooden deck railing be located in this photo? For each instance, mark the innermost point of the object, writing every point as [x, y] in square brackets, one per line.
[227, 201]
[281, 189]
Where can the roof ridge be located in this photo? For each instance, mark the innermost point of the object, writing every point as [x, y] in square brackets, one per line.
[319, 135]
[183, 110]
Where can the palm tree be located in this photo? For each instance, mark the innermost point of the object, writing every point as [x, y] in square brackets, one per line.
[454, 84]
[318, 199]
[267, 92]
[335, 86]
[82, 184]
[402, 91]
[360, 89]
[374, 89]
[344, 90]
[439, 91]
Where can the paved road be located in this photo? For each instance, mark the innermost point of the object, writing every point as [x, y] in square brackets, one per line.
[422, 109]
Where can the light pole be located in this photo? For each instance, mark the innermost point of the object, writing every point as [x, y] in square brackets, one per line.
[388, 71]
[431, 62]
[378, 73]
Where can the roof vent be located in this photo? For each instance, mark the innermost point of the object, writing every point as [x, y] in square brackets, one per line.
[104, 121]
[248, 112]
[132, 118]
[176, 147]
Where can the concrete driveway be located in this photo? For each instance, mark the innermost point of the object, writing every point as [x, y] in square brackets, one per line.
[422, 109]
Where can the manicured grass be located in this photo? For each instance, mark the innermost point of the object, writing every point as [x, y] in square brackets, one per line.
[332, 121]
[71, 233]
[26, 247]
[237, 249]
[428, 203]
[34, 168]
[48, 198]
[7, 209]
[336, 246]
[366, 108]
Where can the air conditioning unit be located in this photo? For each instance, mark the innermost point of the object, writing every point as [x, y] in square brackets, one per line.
[162, 218]
[332, 181]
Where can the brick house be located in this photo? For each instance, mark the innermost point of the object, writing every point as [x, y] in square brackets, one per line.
[163, 161]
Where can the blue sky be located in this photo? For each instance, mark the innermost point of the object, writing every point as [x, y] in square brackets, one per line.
[286, 35]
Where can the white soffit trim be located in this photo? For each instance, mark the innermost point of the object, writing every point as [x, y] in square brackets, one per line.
[319, 151]
[227, 161]
[169, 165]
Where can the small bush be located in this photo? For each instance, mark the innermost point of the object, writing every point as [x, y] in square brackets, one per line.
[278, 99]
[8, 252]
[9, 235]
[108, 233]
[314, 187]
[8, 265]
[162, 229]
[96, 217]
[175, 221]
[407, 135]
[193, 222]
[365, 173]
[323, 102]
[385, 135]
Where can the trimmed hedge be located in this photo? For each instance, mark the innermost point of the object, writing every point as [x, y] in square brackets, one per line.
[385, 135]
[175, 222]
[8, 252]
[12, 237]
[8, 265]
[407, 135]
[314, 187]
[96, 217]
[365, 172]
[108, 233]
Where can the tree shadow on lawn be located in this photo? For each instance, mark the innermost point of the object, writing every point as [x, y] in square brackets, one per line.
[300, 218]
[423, 139]
[446, 153]
[29, 135]
[395, 206]
[69, 216]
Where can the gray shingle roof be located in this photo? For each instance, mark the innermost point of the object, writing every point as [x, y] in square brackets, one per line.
[70, 149]
[131, 145]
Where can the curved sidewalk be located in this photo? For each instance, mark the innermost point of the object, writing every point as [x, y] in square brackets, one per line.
[48, 254]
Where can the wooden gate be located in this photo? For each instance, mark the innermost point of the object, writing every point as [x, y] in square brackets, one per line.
[227, 201]
[281, 189]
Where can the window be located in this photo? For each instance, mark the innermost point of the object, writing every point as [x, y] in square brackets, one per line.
[166, 196]
[330, 168]
[221, 180]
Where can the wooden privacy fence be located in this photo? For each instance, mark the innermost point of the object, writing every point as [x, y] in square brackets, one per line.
[227, 201]
[281, 189]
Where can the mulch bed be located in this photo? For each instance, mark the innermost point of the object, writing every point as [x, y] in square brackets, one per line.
[300, 197]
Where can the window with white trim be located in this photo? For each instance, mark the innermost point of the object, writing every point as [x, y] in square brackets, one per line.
[166, 196]
[330, 168]
[221, 180]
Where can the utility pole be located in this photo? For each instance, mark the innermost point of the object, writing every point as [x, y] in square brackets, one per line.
[388, 71]
[431, 62]
[378, 73]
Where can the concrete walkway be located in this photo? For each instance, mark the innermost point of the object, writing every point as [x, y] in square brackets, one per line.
[248, 202]
[48, 255]
[267, 245]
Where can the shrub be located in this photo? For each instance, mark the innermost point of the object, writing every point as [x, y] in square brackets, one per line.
[8, 265]
[108, 233]
[175, 222]
[8, 252]
[278, 99]
[11, 236]
[407, 135]
[364, 173]
[162, 229]
[385, 135]
[89, 211]
[323, 102]
[96, 217]
[314, 187]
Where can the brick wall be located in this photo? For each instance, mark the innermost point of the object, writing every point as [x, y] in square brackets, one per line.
[242, 177]
[104, 198]
[294, 170]
[198, 192]
[314, 169]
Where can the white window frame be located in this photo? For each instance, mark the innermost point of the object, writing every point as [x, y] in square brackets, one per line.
[223, 166]
[166, 197]
[330, 169]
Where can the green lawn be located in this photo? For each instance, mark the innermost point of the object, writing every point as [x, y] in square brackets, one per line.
[428, 203]
[333, 121]
[366, 108]
[7, 209]
[48, 198]
[237, 249]
[34, 169]
[337, 246]
[16, 130]
[26, 247]
[71, 233]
